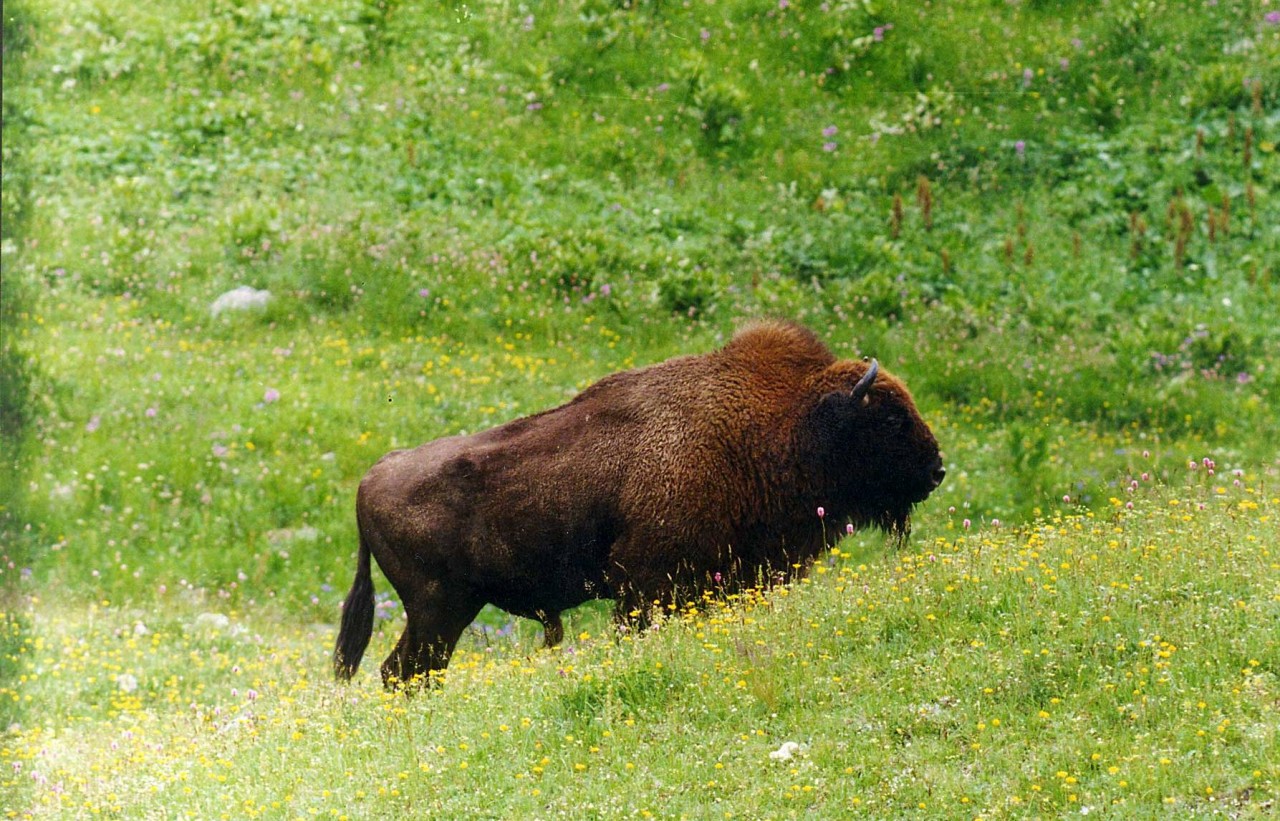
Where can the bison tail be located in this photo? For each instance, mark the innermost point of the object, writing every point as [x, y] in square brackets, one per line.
[357, 619]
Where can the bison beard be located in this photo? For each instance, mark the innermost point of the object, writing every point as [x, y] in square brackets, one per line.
[643, 489]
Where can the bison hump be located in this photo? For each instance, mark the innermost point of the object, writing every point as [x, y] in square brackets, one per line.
[778, 343]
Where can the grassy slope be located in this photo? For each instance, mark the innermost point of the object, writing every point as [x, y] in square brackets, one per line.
[472, 214]
[1118, 663]
[469, 213]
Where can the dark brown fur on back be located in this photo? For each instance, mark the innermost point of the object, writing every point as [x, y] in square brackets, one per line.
[650, 485]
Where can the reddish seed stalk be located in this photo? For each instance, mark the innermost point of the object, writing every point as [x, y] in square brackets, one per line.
[924, 198]
[1138, 232]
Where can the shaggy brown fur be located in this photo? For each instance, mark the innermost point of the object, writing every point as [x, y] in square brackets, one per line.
[651, 485]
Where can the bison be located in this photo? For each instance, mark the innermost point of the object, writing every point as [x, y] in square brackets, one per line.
[717, 470]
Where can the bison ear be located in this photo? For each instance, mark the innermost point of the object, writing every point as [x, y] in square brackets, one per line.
[860, 390]
[833, 416]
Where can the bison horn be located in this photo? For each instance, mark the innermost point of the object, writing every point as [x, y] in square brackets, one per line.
[864, 384]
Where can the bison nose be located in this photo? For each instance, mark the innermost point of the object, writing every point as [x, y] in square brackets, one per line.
[939, 473]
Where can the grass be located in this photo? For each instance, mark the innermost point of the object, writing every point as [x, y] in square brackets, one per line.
[1112, 663]
[1058, 223]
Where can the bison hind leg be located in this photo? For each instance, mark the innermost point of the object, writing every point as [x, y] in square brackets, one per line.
[552, 629]
[434, 624]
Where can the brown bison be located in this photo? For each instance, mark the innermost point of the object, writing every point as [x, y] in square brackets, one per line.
[654, 484]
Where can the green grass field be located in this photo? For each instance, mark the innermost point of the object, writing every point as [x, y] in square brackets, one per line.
[1057, 222]
[1123, 663]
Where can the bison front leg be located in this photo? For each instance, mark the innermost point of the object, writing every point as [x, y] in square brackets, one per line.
[633, 612]
[434, 625]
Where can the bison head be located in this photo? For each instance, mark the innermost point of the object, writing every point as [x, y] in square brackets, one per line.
[865, 447]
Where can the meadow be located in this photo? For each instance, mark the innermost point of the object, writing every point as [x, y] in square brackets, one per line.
[1121, 663]
[1058, 222]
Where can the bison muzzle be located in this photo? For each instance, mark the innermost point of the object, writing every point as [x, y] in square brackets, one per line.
[651, 486]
